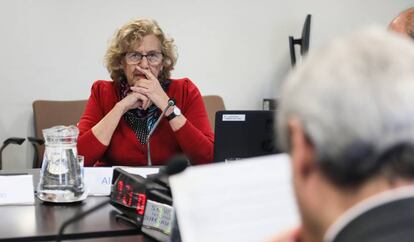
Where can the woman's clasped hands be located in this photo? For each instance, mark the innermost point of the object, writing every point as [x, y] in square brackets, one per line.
[146, 91]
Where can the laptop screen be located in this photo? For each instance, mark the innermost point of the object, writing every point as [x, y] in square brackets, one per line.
[243, 134]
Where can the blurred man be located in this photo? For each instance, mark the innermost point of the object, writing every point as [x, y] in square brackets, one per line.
[347, 119]
[404, 23]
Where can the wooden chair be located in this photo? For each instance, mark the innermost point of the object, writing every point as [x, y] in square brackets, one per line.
[49, 113]
[213, 104]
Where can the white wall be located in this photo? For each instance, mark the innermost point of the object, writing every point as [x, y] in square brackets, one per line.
[53, 49]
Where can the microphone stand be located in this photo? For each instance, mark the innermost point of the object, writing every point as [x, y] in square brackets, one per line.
[77, 217]
[170, 104]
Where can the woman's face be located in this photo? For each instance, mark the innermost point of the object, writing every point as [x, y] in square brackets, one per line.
[147, 55]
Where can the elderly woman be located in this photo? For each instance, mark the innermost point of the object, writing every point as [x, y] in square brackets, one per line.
[121, 113]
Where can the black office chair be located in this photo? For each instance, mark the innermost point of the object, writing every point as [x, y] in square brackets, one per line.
[48, 113]
[11, 140]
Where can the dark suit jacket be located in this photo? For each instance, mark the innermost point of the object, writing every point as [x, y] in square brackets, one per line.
[389, 222]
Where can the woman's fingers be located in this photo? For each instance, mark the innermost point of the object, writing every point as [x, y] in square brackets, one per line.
[142, 100]
[151, 88]
[156, 94]
[139, 90]
[142, 96]
[136, 100]
[145, 102]
[147, 73]
[147, 105]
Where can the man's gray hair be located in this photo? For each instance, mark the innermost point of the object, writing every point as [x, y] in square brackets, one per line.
[355, 100]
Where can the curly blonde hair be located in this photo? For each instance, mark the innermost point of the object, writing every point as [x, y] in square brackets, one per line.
[131, 34]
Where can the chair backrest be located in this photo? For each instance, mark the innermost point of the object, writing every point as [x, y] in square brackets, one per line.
[49, 113]
[213, 104]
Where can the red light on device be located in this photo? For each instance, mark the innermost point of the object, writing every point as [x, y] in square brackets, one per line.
[127, 198]
[128, 194]
[120, 187]
[142, 199]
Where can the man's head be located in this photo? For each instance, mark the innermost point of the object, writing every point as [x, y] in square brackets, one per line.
[347, 118]
[404, 23]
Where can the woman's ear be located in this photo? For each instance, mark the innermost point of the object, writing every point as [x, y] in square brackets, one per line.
[121, 64]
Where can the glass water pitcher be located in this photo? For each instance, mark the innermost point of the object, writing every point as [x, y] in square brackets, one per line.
[61, 176]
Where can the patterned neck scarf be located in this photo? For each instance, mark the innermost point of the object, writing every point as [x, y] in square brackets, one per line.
[141, 121]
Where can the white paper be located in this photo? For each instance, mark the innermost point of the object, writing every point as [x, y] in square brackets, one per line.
[98, 180]
[16, 190]
[248, 200]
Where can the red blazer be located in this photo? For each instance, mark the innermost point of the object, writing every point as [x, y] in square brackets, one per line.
[195, 139]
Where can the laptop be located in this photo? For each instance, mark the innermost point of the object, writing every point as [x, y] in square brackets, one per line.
[243, 134]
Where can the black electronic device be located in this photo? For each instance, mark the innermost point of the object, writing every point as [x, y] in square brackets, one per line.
[144, 203]
[147, 202]
[128, 194]
[303, 42]
[243, 134]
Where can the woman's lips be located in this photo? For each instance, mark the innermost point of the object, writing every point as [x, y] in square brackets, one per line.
[140, 75]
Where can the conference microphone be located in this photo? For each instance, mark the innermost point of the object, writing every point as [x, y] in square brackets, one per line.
[147, 202]
[143, 202]
[177, 164]
[171, 103]
[130, 192]
[174, 166]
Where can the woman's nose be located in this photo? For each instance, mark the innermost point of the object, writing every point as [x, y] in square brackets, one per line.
[144, 63]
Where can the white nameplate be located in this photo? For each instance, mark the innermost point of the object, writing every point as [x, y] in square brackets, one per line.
[98, 180]
[16, 189]
[234, 117]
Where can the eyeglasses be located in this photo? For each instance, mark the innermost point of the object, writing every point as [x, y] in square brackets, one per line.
[153, 57]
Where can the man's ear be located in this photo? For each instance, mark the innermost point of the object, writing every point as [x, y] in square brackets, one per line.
[302, 151]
